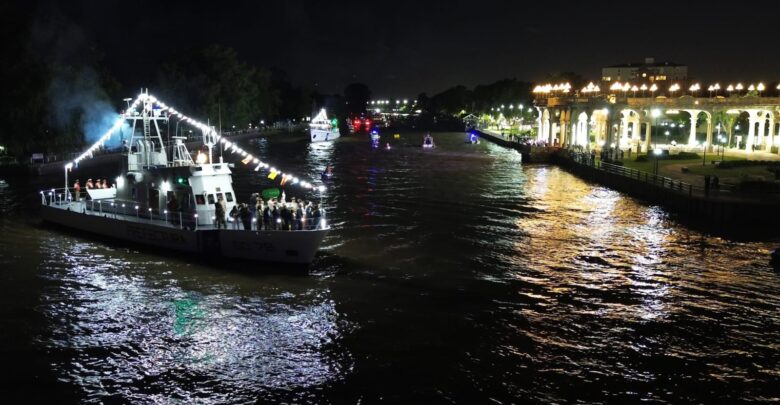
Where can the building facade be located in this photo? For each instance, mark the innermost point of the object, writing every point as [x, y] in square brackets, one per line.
[649, 71]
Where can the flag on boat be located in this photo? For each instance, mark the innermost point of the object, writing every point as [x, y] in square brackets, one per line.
[273, 174]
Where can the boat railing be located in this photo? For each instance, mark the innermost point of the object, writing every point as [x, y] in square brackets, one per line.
[134, 210]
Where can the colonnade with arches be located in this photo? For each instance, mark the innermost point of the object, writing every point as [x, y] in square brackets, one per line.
[634, 125]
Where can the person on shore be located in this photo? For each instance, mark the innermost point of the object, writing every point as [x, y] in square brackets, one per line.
[89, 184]
[77, 190]
[219, 211]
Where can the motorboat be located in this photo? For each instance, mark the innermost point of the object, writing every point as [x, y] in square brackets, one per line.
[322, 129]
[171, 203]
[327, 174]
[428, 142]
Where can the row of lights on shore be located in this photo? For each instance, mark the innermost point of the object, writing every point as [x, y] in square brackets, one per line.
[231, 146]
[385, 102]
[552, 88]
[519, 107]
[675, 87]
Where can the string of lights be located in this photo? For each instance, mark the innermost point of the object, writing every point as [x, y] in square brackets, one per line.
[247, 158]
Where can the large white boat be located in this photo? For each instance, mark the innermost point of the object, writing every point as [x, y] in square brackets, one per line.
[322, 129]
[171, 204]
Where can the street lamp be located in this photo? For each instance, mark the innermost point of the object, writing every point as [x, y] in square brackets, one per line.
[655, 114]
[653, 88]
[657, 153]
[674, 88]
[703, 159]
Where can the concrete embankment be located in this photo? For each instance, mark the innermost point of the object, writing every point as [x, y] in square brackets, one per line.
[744, 215]
[531, 154]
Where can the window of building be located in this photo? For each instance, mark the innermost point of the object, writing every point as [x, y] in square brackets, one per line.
[200, 200]
[660, 77]
[211, 198]
[229, 196]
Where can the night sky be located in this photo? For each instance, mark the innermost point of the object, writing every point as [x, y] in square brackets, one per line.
[401, 48]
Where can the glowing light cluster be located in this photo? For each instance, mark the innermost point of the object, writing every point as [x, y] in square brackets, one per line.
[591, 88]
[550, 88]
[247, 158]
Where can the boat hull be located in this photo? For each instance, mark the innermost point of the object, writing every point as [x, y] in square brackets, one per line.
[291, 247]
[323, 136]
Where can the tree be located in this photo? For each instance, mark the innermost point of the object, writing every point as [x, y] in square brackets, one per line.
[356, 97]
[211, 82]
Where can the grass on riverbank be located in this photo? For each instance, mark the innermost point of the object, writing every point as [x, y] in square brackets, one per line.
[696, 170]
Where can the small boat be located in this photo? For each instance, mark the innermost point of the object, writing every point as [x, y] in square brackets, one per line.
[322, 129]
[327, 174]
[473, 139]
[428, 142]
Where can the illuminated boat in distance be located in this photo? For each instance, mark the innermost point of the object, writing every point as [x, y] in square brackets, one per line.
[170, 204]
[473, 138]
[428, 142]
[322, 129]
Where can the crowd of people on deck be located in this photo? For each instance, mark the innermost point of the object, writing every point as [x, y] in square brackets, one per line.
[99, 183]
[271, 215]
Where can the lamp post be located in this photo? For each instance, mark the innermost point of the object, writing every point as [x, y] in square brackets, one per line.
[657, 154]
[655, 113]
[704, 159]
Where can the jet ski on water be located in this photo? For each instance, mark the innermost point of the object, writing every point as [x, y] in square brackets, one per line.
[473, 139]
[428, 142]
[327, 174]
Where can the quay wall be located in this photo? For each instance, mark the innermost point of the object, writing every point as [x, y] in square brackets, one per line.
[741, 215]
[749, 215]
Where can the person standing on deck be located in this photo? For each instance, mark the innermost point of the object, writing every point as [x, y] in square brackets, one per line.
[77, 190]
[246, 217]
[220, 208]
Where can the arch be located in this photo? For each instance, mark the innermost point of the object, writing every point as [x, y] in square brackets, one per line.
[544, 133]
[582, 135]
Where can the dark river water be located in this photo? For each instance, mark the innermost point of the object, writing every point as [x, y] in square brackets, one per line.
[451, 275]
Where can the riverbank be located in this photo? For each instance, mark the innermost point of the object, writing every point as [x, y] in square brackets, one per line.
[717, 210]
[530, 153]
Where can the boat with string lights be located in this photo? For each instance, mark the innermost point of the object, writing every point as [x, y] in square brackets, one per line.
[171, 203]
[322, 129]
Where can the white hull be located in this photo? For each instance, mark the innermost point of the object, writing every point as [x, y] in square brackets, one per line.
[319, 135]
[293, 247]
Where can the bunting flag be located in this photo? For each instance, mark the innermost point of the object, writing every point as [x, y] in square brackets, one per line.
[246, 160]
[273, 174]
[284, 179]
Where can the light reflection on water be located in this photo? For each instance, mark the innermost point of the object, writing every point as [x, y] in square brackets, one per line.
[140, 338]
[456, 274]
